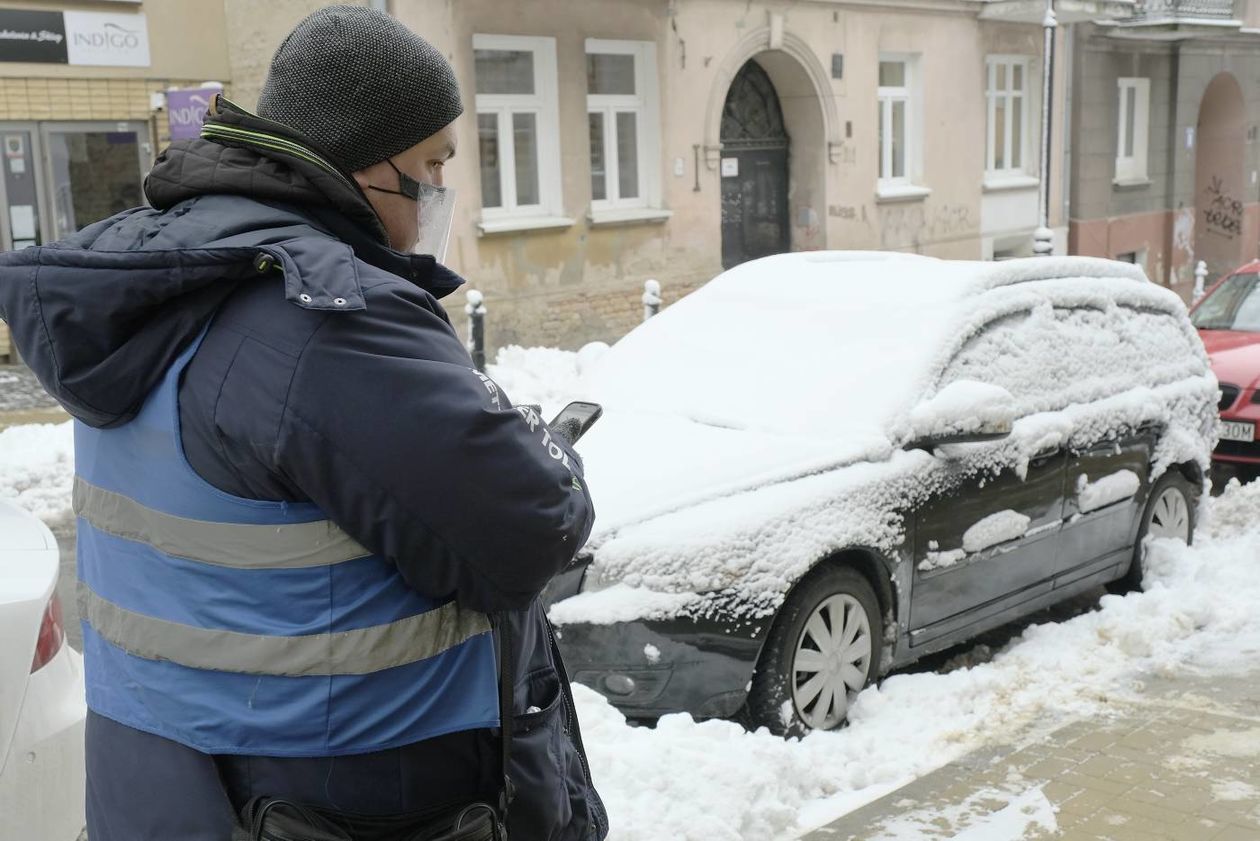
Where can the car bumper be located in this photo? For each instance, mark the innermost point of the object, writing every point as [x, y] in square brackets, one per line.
[43, 779]
[651, 668]
[1246, 409]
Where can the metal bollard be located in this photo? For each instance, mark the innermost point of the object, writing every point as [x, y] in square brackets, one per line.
[1200, 280]
[651, 298]
[476, 310]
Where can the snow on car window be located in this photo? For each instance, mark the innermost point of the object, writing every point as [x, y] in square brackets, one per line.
[1052, 357]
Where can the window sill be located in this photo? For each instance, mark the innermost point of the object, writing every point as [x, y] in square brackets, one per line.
[1131, 183]
[629, 216]
[1001, 183]
[901, 192]
[522, 223]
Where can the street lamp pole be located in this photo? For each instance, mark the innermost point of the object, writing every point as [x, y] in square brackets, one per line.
[1043, 237]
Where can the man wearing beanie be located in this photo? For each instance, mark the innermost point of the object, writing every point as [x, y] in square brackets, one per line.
[311, 536]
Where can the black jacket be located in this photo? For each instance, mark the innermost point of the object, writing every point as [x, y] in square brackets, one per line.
[329, 373]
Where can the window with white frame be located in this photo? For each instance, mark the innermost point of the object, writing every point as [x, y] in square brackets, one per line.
[623, 124]
[518, 133]
[1008, 114]
[898, 122]
[1134, 123]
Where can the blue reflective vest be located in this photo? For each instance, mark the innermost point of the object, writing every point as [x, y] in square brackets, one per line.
[242, 626]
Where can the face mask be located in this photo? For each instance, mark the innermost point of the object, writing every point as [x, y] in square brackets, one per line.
[435, 212]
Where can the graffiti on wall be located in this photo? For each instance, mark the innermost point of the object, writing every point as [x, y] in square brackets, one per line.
[1224, 213]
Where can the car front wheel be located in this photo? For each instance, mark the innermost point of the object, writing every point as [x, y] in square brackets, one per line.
[823, 649]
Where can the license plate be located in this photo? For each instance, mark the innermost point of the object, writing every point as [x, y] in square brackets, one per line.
[1238, 431]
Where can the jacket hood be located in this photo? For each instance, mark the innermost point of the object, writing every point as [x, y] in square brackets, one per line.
[242, 154]
[100, 316]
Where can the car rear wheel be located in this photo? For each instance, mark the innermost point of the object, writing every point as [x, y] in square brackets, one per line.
[1169, 514]
[824, 648]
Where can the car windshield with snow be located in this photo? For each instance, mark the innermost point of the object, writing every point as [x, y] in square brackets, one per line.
[820, 467]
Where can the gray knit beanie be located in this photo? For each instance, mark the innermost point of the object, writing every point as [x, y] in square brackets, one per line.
[359, 85]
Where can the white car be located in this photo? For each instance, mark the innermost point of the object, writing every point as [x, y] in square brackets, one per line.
[42, 707]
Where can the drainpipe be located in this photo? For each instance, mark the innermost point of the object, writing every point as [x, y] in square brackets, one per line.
[1069, 147]
[1043, 237]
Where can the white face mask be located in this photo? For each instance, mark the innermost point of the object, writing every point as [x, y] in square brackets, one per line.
[435, 212]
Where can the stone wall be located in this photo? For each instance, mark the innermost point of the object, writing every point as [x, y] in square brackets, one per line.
[566, 319]
[255, 31]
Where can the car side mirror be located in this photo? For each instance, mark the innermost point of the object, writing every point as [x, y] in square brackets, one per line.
[964, 412]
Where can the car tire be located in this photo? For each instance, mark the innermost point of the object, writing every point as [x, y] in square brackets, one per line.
[801, 666]
[1170, 508]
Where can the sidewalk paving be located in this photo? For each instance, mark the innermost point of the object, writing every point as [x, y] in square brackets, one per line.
[1179, 763]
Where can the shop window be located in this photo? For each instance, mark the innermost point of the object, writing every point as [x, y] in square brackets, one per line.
[623, 124]
[95, 174]
[900, 127]
[1006, 95]
[1132, 134]
[517, 127]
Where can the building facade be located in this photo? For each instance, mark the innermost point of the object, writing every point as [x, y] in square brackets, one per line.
[82, 106]
[607, 142]
[1166, 170]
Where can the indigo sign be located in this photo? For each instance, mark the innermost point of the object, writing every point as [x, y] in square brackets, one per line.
[186, 110]
[88, 38]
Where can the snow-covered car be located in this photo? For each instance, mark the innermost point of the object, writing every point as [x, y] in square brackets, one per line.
[1228, 320]
[820, 467]
[42, 708]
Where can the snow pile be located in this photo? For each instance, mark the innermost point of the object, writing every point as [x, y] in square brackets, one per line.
[542, 376]
[712, 781]
[1234, 511]
[1120, 485]
[37, 469]
[936, 559]
[997, 528]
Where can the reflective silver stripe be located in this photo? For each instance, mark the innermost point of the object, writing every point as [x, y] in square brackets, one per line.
[318, 543]
[357, 652]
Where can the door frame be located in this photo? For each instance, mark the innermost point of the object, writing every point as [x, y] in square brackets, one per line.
[41, 185]
[46, 128]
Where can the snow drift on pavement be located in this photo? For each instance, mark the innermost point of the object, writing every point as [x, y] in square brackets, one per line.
[37, 468]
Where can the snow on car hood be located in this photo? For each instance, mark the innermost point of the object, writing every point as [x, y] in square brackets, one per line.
[642, 465]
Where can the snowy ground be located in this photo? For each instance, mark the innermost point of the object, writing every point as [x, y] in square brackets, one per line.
[713, 781]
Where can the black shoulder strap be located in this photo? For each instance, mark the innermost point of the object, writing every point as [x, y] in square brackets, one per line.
[504, 630]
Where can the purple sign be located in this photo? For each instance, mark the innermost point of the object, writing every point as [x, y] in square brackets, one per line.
[186, 110]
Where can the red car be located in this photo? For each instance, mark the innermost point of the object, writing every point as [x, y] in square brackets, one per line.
[1228, 320]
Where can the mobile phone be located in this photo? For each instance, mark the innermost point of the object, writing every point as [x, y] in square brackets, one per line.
[574, 419]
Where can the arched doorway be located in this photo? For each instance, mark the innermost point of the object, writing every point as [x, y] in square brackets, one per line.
[754, 170]
[1219, 186]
